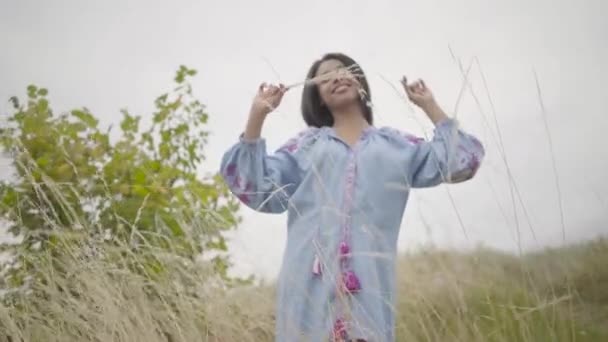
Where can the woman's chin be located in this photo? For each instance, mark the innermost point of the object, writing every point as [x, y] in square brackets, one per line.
[344, 100]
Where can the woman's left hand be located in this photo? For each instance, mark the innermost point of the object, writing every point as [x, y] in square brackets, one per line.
[422, 97]
[418, 93]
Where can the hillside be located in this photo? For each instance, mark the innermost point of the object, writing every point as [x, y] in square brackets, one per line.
[554, 295]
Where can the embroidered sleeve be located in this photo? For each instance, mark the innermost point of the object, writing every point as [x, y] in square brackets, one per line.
[451, 156]
[262, 181]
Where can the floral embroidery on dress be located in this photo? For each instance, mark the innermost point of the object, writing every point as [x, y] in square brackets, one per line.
[296, 143]
[414, 139]
[292, 146]
[231, 170]
[471, 162]
[339, 331]
[410, 138]
[242, 191]
[350, 282]
[245, 192]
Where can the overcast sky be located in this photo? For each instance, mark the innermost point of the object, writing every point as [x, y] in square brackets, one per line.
[108, 55]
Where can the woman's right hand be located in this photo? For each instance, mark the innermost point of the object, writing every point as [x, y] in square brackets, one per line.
[267, 99]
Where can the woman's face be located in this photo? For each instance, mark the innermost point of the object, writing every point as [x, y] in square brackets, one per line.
[338, 86]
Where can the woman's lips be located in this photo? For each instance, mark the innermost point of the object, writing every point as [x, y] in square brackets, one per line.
[341, 88]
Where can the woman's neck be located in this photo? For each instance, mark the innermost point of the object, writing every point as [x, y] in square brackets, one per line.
[349, 123]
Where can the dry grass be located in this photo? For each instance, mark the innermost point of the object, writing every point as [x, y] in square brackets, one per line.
[556, 295]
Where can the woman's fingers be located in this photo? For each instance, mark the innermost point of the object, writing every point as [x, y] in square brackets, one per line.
[414, 88]
[269, 97]
[270, 91]
[273, 94]
[408, 89]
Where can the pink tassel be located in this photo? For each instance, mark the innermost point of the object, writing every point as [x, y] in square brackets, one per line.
[316, 266]
[351, 282]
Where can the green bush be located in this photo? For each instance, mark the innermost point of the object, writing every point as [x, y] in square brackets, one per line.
[74, 185]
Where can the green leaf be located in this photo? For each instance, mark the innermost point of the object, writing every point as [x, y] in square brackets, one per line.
[161, 100]
[161, 116]
[31, 91]
[15, 101]
[10, 198]
[129, 124]
[42, 161]
[43, 92]
[43, 106]
[154, 165]
[164, 151]
[88, 119]
[179, 78]
[192, 151]
[139, 177]
[140, 190]
[172, 223]
[218, 245]
[180, 129]
[165, 136]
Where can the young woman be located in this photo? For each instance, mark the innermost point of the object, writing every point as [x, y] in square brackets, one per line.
[345, 185]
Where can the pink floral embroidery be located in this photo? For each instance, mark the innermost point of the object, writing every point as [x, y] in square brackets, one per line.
[244, 198]
[292, 146]
[339, 333]
[470, 164]
[413, 139]
[344, 249]
[351, 282]
[245, 195]
[231, 170]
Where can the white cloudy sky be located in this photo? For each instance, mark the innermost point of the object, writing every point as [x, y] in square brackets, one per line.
[107, 55]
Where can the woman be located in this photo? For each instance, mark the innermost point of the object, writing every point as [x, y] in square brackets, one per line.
[345, 185]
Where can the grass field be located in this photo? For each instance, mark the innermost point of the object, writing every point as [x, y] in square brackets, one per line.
[554, 295]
